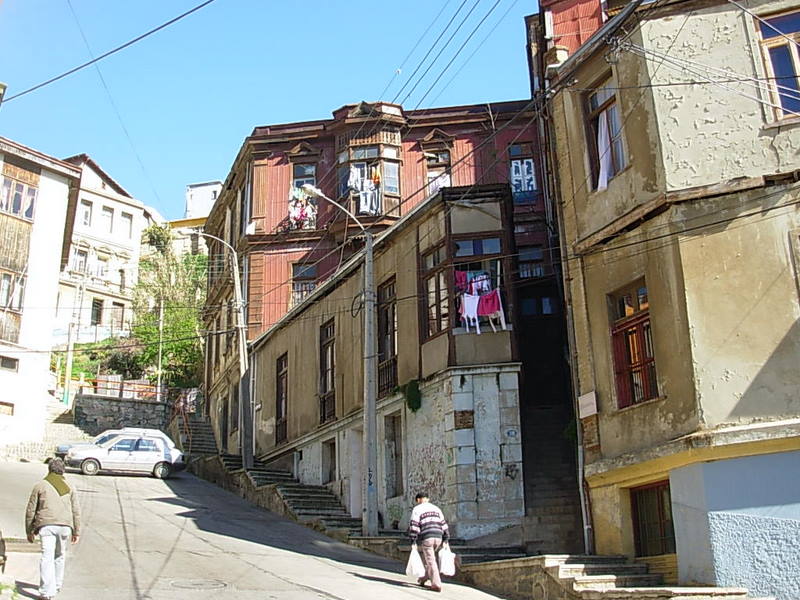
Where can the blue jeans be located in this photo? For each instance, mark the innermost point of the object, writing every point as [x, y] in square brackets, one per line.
[54, 540]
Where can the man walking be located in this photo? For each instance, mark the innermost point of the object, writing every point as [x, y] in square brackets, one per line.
[429, 528]
[53, 513]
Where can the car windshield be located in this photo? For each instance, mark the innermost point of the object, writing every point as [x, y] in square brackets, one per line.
[102, 439]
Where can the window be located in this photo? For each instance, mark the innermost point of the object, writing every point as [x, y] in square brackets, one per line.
[477, 271]
[123, 284]
[124, 445]
[7, 409]
[86, 213]
[606, 149]
[9, 364]
[632, 341]
[387, 338]
[435, 290]
[17, 198]
[12, 291]
[329, 461]
[80, 260]
[304, 280]
[117, 315]
[327, 359]
[366, 177]
[651, 509]
[97, 311]
[107, 219]
[281, 397]
[102, 267]
[522, 175]
[145, 445]
[304, 174]
[302, 206]
[233, 415]
[438, 168]
[393, 434]
[782, 59]
[531, 262]
[127, 224]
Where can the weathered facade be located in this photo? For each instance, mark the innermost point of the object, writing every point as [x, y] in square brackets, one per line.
[34, 233]
[381, 162]
[676, 158]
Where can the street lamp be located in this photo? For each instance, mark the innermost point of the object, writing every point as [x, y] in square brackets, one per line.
[245, 414]
[369, 517]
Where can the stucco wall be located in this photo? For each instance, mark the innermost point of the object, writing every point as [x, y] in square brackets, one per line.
[737, 523]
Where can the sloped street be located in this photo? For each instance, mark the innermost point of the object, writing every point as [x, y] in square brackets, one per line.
[146, 539]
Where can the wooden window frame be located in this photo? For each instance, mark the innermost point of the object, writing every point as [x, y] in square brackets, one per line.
[387, 337]
[666, 537]
[526, 153]
[767, 44]
[460, 261]
[28, 193]
[281, 397]
[531, 268]
[327, 372]
[388, 200]
[590, 118]
[437, 273]
[633, 331]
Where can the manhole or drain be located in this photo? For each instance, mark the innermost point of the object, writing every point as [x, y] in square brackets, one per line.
[198, 584]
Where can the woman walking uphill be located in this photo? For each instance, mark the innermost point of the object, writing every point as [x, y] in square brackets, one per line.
[428, 526]
[54, 515]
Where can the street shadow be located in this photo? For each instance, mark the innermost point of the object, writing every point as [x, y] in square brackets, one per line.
[385, 580]
[27, 590]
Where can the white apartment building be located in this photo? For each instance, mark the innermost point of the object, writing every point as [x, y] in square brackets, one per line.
[200, 198]
[36, 193]
[97, 279]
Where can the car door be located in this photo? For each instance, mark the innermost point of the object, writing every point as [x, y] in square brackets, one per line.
[120, 454]
[147, 453]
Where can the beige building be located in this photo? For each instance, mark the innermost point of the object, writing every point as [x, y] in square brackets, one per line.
[676, 154]
[97, 279]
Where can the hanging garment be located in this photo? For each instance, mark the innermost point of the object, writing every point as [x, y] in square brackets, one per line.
[479, 283]
[369, 200]
[376, 177]
[461, 281]
[603, 151]
[490, 306]
[354, 179]
[469, 311]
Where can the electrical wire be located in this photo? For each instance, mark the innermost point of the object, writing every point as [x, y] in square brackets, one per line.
[107, 54]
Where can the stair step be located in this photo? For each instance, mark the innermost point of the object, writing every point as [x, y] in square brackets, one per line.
[666, 593]
[622, 568]
[595, 582]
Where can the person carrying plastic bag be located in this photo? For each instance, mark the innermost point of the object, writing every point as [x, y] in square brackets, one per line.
[427, 527]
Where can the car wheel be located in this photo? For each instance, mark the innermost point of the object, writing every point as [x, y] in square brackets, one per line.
[162, 470]
[90, 467]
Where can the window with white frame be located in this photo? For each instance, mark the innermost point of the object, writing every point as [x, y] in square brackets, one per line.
[606, 148]
[127, 224]
[107, 219]
[12, 290]
[780, 35]
[438, 170]
[522, 173]
[86, 213]
[370, 177]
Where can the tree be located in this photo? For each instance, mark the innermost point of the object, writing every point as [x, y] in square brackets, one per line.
[170, 288]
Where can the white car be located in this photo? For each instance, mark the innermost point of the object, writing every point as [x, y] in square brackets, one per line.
[62, 449]
[129, 452]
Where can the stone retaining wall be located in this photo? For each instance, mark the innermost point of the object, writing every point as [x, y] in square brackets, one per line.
[516, 579]
[94, 414]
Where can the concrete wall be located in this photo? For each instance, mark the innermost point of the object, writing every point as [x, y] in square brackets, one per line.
[737, 523]
[95, 414]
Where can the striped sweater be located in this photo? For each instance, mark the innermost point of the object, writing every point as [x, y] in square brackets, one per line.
[427, 521]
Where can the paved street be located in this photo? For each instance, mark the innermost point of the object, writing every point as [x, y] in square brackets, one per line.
[146, 539]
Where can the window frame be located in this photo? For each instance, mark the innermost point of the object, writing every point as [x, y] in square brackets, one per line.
[4, 365]
[107, 211]
[127, 223]
[525, 153]
[387, 336]
[590, 117]
[87, 208]
[327, 372]
[281, 397]
[369, 157]
[438, 274]
[779, 112]
[633, 331]
[437, 170]
[304, 286]
[96, 315]
[29, 194]
[666, 539]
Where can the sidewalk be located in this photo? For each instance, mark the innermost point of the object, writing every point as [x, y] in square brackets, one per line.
[22, 571]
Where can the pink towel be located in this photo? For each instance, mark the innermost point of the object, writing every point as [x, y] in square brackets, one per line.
[489, 304]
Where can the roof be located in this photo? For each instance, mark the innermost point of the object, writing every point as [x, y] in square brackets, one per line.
[80, 159]
[43, 160]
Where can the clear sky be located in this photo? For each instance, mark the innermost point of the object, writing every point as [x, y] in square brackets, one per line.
[189, 94]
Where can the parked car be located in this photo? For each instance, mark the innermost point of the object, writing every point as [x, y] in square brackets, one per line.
[62, 449]
[128, 452]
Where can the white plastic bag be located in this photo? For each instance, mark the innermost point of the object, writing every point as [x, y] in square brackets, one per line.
[447, 560]
[415, 568]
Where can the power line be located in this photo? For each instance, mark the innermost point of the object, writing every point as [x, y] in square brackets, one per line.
[107, 54]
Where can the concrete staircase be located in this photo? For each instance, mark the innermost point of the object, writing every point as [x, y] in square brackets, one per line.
[552, 522]
[59, 428]
[200, 440]
[616, 578]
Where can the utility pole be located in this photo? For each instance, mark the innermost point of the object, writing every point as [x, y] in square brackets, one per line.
[160, 344]
[370, 516]
[74, 325]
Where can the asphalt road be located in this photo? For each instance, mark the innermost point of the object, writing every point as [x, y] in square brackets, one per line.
[183, 538]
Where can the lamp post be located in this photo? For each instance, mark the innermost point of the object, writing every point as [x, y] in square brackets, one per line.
[369, 517]
[245, 414]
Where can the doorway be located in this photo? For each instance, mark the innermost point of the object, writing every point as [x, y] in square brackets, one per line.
[355, 440]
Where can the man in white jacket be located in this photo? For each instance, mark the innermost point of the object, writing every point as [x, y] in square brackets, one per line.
[428, 528]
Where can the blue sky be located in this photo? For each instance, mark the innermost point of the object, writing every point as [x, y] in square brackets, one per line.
[189, 94]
